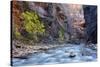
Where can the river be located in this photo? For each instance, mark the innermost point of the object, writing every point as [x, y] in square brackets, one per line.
[59, 55]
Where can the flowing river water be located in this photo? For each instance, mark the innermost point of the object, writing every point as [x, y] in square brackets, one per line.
[59, 55]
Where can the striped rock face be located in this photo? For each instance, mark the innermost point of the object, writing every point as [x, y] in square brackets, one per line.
[75, 18]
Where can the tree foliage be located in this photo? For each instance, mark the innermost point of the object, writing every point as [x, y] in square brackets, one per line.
[32, 24]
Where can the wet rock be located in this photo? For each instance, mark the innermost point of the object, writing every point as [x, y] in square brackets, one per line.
[22, 57]
[26, 56]
[72, 55]
[44, 49]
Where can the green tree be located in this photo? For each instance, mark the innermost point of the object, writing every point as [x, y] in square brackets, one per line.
[32, 24]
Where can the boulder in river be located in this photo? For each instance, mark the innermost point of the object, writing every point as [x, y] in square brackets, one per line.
[72, 55]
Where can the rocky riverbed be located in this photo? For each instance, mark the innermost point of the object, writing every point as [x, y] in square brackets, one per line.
[55, 55]
[22, 50]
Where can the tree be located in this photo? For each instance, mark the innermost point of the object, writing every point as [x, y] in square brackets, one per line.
[32, 24]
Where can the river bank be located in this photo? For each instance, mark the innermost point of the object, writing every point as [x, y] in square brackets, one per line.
[21, 50]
